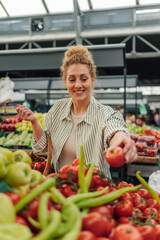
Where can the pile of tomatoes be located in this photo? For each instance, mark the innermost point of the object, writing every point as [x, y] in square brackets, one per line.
[133, 216]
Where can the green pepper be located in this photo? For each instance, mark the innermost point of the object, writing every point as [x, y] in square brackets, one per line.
[50, 182]
[7, 211]
[43, 210]
[145, 184]
[94, 202]
[82, 196]
[18, 174]
[51, 227]
[3, 165]
[14, 231]
[81, 174]
[8, 153]
[21, 156]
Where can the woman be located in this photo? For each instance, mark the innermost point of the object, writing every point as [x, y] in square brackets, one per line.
[80, 119]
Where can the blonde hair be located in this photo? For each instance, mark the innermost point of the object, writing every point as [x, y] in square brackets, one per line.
[78, 55]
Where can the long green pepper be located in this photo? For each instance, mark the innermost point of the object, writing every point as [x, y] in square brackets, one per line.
[145, 184]
[50, 182]
[94, 202]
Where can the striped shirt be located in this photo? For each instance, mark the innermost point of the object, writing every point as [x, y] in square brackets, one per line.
[94, 131]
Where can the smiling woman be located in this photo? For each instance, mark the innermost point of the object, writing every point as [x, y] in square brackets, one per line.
[80, 119]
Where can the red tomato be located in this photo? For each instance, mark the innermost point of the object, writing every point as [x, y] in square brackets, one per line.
[15, 197]
[39, 166]
[96, 223]
[69, 191]
[127, 232]
[115, 156]
[126, 196]
[76, 162]
[140, 203]
[104, 210]
[32, 210]
[102, 238]
[124, 209]
[157, 227]
[122, 184]
[147, 232]
[144, 193]
[99, 181]
[148, 212]
[69, 171]
[124, 220]
[137, 213]
[86, 235]
[21, 221]
[153, 203]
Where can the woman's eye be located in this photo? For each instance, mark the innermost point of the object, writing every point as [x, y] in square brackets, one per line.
[72, 80]
[84, 79]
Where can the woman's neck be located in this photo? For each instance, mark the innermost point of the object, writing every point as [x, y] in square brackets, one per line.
[79, 109]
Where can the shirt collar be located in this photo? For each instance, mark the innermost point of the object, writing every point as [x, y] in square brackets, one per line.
[88, 116]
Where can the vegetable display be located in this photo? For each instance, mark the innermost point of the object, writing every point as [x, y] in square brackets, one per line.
[78, 203]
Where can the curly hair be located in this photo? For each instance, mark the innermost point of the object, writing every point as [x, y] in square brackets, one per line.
[78, 55]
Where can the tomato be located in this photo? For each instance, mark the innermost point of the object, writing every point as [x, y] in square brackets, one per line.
[127, 232]
[147, 232]
[69, 171]
[126, 196]
[32, 210]
[124, 209]
[96, 223]
[137, 213]
[124, 220]
[21, 221]
[32, 165]
[151, 212]
[76, 162]
[15, 197]
[115, 156]
[104, 210]
[140, 203]
[122, 184]
[144, 193]
[39, 166]
[102, 238]
[68, 190]
[100, 181]
[86, 235]
[157, 227]
[153, 203]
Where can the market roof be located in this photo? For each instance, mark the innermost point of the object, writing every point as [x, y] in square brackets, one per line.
[11, 8]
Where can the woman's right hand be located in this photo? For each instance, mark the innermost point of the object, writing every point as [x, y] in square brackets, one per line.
[25, 114]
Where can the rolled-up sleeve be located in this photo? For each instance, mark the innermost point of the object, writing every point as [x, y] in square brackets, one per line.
[113, 124]
[42, 143]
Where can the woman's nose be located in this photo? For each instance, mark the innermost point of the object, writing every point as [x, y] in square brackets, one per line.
[78, 83]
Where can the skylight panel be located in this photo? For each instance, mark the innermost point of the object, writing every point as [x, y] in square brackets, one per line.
[2, 12]
[83, 4]
[103, 4]
[150, 2]
[23, 7]
[59, 6]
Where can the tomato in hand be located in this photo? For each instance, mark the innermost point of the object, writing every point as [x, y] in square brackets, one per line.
[115, 156]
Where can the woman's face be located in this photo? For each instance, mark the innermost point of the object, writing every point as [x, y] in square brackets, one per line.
[79, 82]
